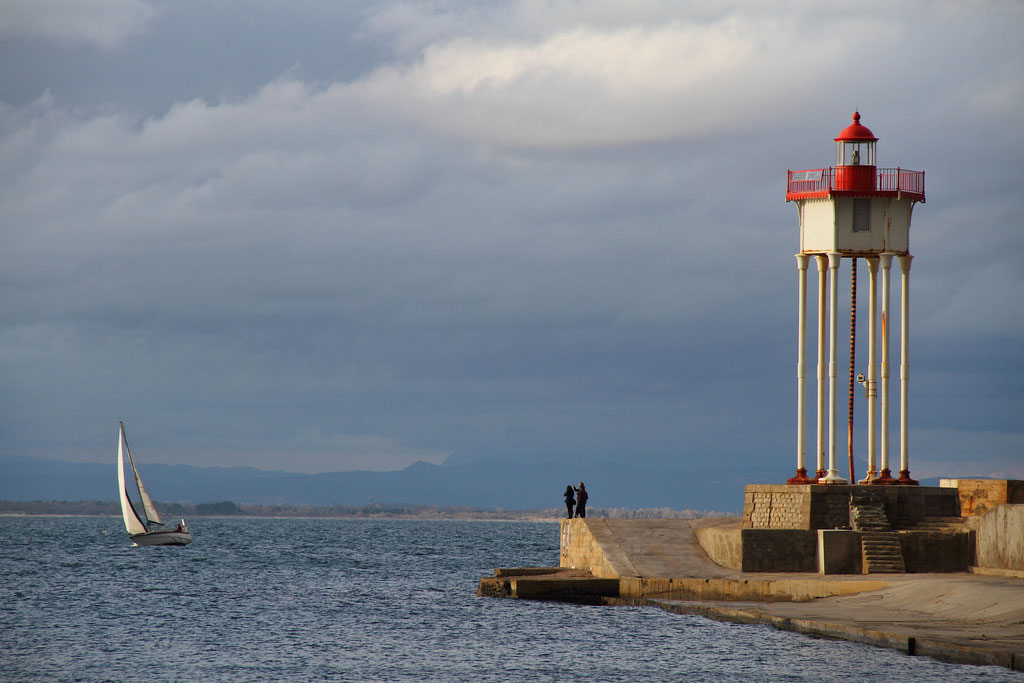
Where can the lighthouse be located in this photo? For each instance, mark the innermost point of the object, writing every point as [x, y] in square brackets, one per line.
[850, 211]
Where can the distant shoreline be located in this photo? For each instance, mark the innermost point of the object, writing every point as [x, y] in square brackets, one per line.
[95, 508]
[440, 518]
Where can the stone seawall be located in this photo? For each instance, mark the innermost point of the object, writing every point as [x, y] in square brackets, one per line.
[581, 550]
[1000, 538]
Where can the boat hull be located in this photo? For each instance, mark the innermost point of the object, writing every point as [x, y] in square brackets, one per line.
[162, 538]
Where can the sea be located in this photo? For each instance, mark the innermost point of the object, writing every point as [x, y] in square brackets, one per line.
[256, 599]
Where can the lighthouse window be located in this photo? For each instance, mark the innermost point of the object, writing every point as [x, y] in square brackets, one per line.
[862, 215]
[853, 150]
[855, 153]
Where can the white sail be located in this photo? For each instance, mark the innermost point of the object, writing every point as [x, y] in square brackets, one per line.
[132, 522]
[147, 503]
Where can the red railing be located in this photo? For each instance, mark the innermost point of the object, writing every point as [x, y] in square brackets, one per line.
[821, 182]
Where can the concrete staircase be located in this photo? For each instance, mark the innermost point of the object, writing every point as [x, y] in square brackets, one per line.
[880, 545]
[882, 553]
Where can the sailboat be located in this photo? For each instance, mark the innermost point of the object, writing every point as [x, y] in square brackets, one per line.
[146, 528]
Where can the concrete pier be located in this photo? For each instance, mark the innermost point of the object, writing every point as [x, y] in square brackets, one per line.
[974, 617]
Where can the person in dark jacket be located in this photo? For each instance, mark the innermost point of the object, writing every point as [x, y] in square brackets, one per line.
[581, 501]
[569, 501]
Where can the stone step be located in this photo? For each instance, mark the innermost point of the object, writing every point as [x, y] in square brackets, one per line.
[882, 553]
[938, 523]
[863, 513]
[868, 514]
[886, 569]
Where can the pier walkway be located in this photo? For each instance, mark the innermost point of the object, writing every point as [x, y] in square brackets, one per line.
[961, 617]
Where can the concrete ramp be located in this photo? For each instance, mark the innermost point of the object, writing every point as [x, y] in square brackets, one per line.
[637, 548]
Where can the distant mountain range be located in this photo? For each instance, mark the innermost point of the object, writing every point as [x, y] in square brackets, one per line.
[481, 484]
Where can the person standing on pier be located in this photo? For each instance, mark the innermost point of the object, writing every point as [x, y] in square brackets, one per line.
[569, 501]
[581, 501]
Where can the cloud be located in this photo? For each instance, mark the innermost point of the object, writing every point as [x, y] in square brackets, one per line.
[530, 230]
[585, 87]
[101, 24]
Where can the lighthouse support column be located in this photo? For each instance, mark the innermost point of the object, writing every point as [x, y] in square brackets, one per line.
[905, 369]
[801, 375]
[872, 389]
[885, 476]
[822, 262]
[834, 259]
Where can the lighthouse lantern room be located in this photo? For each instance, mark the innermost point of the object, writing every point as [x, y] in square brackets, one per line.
[849, 211]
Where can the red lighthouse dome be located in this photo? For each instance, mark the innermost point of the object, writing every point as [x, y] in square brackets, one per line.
[856, 131]
[855, 157]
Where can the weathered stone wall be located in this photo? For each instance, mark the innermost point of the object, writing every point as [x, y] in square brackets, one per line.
[779, 550]
[830, 507]
[819, 506]
[908, 505]
[1000, 538]
[580, 550]
[761, 550]
[936, 551]
[768, 506]
[978, 496]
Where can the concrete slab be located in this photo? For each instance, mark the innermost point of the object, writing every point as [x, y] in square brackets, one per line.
[962, 618]
[653, 548]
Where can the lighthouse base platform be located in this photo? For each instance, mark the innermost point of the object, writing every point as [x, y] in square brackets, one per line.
[828, 506]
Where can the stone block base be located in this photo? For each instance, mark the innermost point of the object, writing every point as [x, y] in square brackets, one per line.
[823, 506]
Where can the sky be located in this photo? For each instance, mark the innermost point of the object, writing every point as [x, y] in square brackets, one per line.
[319, 236]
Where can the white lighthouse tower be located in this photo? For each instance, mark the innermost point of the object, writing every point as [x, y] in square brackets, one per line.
[849, 211]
